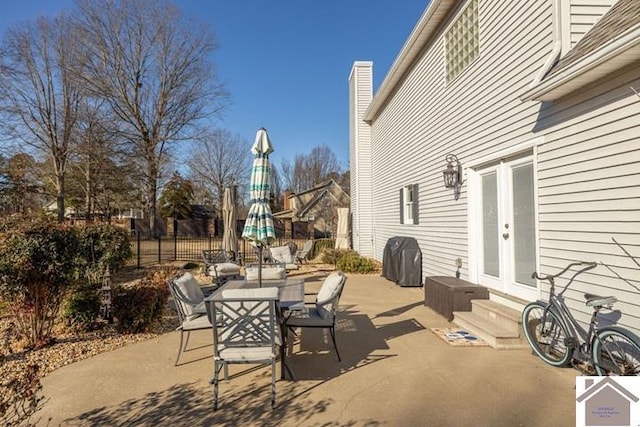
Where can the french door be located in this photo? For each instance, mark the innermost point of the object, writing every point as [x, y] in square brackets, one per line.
[506, 234]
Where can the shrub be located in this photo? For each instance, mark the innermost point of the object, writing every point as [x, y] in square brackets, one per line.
[320, 245]
[331, 256]
[38, 266]
[191, 266]
[82, 309]
[352, 262]
[101, 246]
[138, 306]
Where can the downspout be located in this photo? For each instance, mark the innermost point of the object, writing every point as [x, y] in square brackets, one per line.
[557, 44]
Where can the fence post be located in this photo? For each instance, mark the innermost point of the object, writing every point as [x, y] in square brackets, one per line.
[159, 249]
[138, 249]
[175, 244]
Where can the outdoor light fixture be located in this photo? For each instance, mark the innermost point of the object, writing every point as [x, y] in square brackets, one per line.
[453, 175]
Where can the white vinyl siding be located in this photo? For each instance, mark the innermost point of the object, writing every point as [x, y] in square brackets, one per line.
[589, 192]
[587, 170]
[360, 95]
[585, 13]
[472, 117]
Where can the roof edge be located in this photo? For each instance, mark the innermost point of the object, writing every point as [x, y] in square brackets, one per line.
[420, 36]
[543, 91]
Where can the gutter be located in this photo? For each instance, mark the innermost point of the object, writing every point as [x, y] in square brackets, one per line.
[600, 58]
[553, 57]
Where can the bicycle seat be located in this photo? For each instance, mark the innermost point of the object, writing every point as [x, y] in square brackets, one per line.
[598, 301]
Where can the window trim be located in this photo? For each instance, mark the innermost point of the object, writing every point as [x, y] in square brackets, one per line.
[409, 212]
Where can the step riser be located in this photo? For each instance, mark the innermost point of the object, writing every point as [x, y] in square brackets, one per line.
[498, 318]
[499, 343]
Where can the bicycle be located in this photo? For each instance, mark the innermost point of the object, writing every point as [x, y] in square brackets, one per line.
[556, 337]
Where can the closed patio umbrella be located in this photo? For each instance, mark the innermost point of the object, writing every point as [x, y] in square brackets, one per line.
[342, 235]
[230, 237]
[258, 228]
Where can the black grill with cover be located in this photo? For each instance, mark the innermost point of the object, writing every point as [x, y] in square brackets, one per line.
[402, 261]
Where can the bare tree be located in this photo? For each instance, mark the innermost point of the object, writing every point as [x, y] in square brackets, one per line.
[220, 159]
[309, 170]
[39, 98]
[20, 189]
[277, 201]
[153, 69]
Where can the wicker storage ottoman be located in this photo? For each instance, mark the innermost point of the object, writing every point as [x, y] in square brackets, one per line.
[447, 294]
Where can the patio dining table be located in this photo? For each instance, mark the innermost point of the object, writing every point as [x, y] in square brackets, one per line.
[290, 298]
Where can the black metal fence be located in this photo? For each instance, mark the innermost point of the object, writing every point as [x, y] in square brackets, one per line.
[150, 251]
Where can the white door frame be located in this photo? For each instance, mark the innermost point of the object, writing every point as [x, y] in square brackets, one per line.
[473, 218]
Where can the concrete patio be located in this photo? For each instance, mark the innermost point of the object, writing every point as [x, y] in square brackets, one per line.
[394, 372]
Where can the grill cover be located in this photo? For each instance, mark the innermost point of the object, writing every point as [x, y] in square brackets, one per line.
[402, 261]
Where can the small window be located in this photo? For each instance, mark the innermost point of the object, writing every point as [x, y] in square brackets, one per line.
[462, 41]
[409, 204]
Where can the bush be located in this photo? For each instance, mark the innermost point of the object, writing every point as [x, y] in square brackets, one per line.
[138, 306]
[101, 246]
[38, 266]
[82, 309]
[331, 256]
[352, 262]
[321, 245]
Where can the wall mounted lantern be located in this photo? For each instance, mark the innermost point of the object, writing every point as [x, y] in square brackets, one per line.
[453, 175]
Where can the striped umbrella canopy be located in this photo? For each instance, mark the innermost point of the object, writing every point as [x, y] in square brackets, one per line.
[258, 228]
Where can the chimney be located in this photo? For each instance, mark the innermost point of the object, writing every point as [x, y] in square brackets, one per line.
[287, 202]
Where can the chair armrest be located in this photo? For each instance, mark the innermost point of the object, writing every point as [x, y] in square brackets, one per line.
[209, 289]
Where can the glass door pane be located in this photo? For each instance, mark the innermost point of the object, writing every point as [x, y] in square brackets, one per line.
[523, 224]
[491, 262]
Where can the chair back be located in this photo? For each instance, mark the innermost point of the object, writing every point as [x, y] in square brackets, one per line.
[308, 245]
[270, 271]
[187, 294]
[282, 254]
[214, 256]
[329, 294]
[246, 319]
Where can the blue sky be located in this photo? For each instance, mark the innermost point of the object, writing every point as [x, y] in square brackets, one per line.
[286, 62]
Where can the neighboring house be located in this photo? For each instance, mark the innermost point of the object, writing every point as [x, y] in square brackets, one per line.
[52, 209]
[317, 206]
[540, 103]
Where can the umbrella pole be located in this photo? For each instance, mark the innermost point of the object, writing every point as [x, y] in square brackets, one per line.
[260, 266]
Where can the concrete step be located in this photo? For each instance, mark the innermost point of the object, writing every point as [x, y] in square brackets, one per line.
[495, 335]
[503, 316]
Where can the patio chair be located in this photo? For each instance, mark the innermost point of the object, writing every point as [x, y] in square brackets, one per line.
[303, 254]
[283, 254]
[270, 271]
[188, 296]
[321, 314]
[219, 266]
[246, 332]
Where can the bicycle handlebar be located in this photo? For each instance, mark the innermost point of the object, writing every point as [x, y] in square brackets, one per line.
[550, 277]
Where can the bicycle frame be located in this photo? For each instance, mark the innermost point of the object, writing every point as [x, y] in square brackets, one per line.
[579, 339]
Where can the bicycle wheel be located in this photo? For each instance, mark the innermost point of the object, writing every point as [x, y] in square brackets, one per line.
[615, 353]
[547, 339]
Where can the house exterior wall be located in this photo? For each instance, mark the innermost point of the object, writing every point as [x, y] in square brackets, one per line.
[360, 94]
[583, 14]
[474, 116]
[584, 147]
[589, 188]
